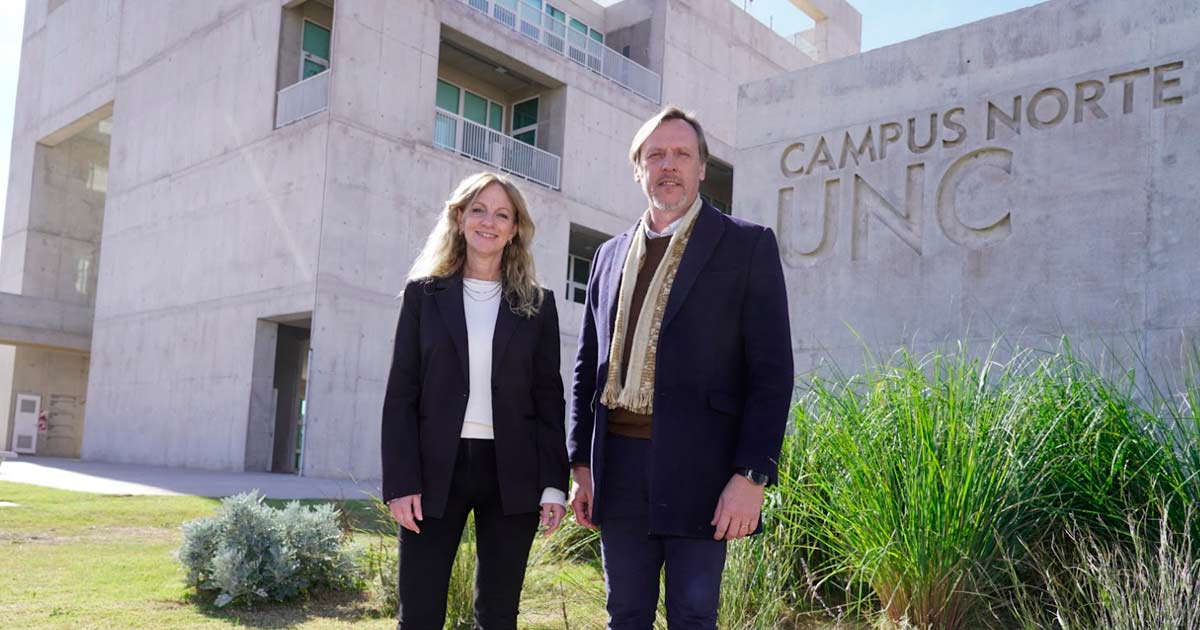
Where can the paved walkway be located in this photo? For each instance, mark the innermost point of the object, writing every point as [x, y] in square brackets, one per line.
[102, 478]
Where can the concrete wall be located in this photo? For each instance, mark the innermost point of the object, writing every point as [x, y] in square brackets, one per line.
[77, 40]
[212, 224]
[66, 211]
[710, 48]
[1074, 217]
[837, 28]
[216, 225]
[7, 358]
[55, 196]
[60, 378]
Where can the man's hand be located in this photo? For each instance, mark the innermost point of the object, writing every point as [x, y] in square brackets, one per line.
[737, 509]
[407, 511]
[581, 495]
[552, 514]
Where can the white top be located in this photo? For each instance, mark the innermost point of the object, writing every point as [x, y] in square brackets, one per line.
[481, 304]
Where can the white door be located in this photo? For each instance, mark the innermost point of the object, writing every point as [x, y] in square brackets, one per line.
[25, 423]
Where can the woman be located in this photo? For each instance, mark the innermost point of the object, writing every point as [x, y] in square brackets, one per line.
[473, 415]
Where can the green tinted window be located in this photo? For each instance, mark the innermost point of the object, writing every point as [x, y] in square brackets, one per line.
[525, 114]
[316, 40]
[579, 26]
[528, 137]
[582, 269]
[447, 97]
[597, 35]
[496, 117]
[556, 13]
[475, 108]
[311, 68]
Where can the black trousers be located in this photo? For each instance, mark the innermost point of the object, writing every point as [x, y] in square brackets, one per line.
[502, 549]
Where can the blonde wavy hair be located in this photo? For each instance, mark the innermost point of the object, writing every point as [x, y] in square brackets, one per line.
[445, 251]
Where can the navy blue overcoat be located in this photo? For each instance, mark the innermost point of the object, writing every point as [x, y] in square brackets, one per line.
[723, 375]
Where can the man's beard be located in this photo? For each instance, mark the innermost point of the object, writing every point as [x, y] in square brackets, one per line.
[662, 206]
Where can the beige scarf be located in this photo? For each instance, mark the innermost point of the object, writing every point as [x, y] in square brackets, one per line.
[637, 394]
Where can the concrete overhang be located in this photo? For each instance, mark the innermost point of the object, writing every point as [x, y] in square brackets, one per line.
[45, 323]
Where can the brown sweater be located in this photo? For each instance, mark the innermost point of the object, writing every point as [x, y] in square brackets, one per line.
[623, 421]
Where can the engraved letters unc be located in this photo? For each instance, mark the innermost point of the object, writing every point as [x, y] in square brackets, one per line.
[823, 166]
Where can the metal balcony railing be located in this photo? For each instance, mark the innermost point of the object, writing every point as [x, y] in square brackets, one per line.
[302, 99]
[539, 26]
[492, 147]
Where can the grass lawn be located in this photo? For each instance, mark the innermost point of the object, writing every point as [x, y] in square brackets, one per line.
[77, 560]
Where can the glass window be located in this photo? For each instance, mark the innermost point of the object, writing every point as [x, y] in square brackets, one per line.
[579, 26]
[316, 40]
[524, 121]
[496, 117]
[580, 270]
[581, 248]
[447, 97]
[528, 137]
[577, 277]
[525, 114]
[311, 67]
[556, 13]
[475, 108]
[596, 35]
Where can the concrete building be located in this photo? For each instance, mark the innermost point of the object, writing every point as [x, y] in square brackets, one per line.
[212, 205]
[1031, 175]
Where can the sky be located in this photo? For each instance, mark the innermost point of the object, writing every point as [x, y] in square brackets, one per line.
[887, 22]
[884, 22]
[12, 22]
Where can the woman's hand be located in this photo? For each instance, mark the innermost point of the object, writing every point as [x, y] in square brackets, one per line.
[552, 515]
[407, 511]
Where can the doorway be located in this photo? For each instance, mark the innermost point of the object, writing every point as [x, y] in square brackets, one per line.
[278, 393]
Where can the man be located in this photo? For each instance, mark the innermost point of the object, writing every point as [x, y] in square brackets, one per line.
[682, 386]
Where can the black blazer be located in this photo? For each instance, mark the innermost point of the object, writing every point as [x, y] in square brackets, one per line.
[427, 397]
[722, 377]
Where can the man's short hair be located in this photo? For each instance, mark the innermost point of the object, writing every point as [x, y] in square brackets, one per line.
[669, 112]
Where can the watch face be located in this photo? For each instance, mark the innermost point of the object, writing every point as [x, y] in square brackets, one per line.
[756, 478]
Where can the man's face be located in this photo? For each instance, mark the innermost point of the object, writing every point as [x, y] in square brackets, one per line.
[670, 169]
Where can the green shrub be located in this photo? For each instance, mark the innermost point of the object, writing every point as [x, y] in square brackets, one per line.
[250, 551]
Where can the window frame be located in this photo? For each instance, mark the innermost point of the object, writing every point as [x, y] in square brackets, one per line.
[309, 57]
[462, 95]
[514, 131]
[573, 286]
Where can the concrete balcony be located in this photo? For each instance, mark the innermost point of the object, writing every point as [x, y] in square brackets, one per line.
[553, 34]
[303, 99]
[492, 147]
[45, 323]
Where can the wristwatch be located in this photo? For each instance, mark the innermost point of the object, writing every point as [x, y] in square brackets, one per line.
[755, 477]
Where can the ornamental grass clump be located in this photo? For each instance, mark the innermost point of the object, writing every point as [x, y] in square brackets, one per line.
[919, 476]
[250, 551]
[1148, 579]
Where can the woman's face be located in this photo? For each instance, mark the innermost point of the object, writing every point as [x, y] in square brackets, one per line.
[489, 222]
